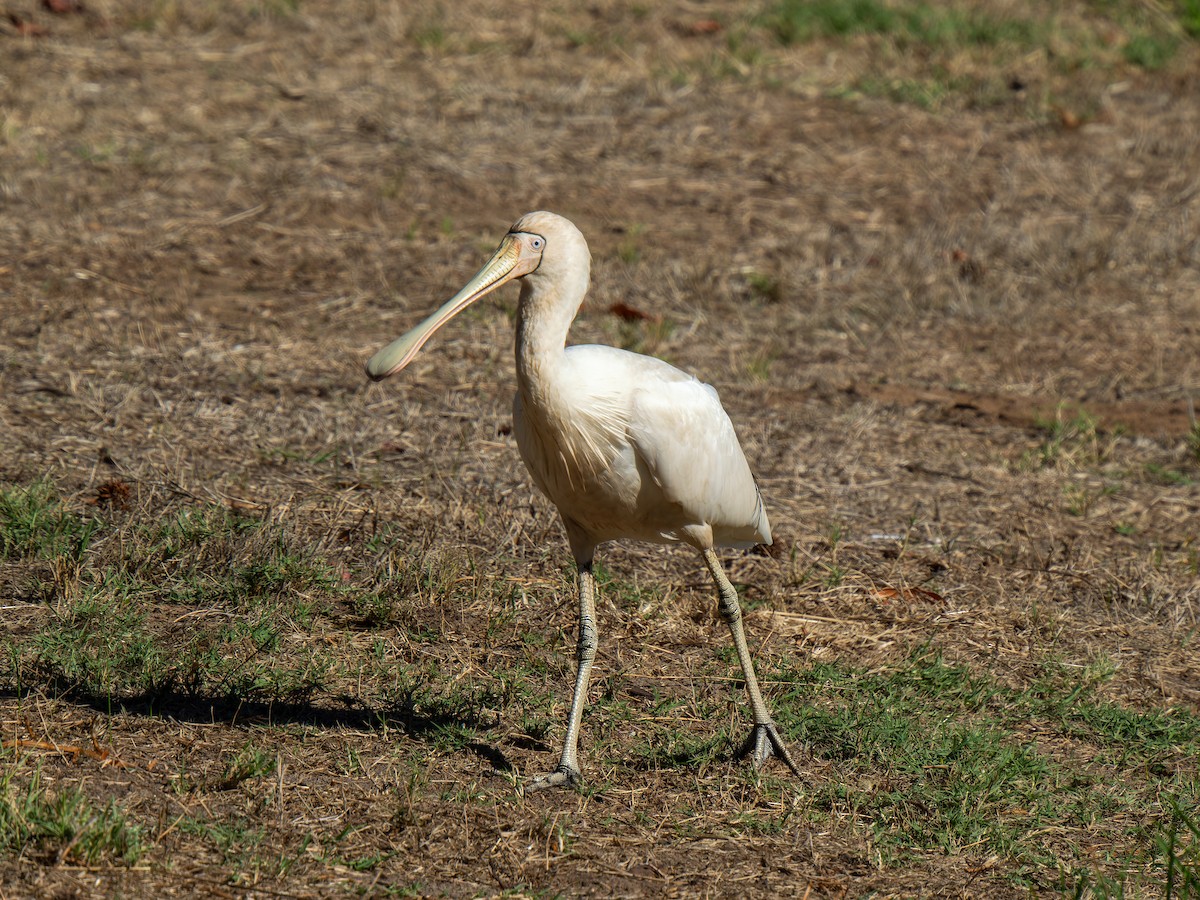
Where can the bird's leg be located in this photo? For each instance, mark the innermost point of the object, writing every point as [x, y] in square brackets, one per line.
[764, 740]
[568, 772]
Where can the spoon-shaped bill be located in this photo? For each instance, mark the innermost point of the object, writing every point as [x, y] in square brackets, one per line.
[502, 267]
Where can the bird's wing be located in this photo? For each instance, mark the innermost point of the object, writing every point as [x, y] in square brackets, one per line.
[685, 439]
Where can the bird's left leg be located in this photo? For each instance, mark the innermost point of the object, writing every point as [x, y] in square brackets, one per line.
[567, 772]
[764, 740]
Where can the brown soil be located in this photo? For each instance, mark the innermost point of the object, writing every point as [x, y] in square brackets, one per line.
[961, 346]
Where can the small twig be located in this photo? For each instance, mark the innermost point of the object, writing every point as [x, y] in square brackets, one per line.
[73, 750]
[241, 216]
[279, 773]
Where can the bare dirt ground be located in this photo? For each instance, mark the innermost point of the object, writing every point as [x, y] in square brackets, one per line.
[960, 341]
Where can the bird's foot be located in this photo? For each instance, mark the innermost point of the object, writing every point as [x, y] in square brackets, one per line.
[563, 776]
[763, 743]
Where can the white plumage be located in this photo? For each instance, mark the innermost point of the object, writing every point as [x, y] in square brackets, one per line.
[649, 454]
[626, 446]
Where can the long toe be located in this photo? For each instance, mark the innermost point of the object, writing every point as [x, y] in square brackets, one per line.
[765, 742]
[563, 776]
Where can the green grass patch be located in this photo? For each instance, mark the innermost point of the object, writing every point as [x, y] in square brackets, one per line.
[236, 839]
[933, 757]
[798, 21]
[1150, 51]
[66, 826]
[99, 643]
[1189, 16]
[1163, 475]
[197, 602]
[934, 55]
[447, 713]
[1072, 441]
[35, 523]
[248, 763]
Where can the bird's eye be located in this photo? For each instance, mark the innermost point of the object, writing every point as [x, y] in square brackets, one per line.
[537, 243]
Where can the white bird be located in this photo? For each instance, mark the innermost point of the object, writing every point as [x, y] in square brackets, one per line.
[626, 446]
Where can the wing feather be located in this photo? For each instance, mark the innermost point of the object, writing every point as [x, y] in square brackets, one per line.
[687, 443]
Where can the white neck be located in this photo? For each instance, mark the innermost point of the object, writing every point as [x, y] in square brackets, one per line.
[547, 307]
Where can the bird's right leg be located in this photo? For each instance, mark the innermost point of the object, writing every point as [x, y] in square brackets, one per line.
[764, 740]
[568, 772]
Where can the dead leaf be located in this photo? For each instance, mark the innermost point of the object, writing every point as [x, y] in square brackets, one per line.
[292, 91]
[1069, 119]
[114, 494]
[63, 7]
[909, 594]
[969, 269]
[706, 26]
[26, 28]
[74, 751]
[237, 504]
[777, 549]
[632, 313]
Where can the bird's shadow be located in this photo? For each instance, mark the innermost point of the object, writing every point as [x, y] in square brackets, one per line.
[233, 710]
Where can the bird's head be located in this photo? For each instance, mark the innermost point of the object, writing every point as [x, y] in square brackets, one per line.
[544, 246]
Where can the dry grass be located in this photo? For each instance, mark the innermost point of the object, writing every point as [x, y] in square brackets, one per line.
[948, 291]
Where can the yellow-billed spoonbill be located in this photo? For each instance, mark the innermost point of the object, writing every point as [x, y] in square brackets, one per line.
[626, 446]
